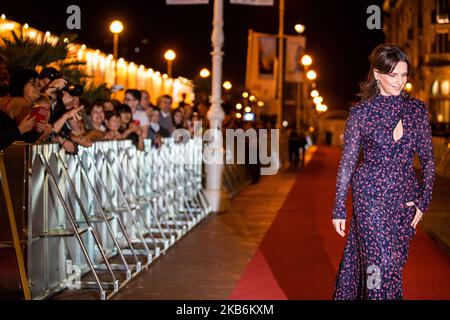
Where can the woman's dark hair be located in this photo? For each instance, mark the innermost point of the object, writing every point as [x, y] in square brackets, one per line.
[123, 108]
[177, 126]
[90, 107]
[110, 114]
[19, 79]
[384, 58]
[135, 93]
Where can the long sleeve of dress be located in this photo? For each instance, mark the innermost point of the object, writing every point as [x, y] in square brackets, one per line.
[424, 149]
[349, 158]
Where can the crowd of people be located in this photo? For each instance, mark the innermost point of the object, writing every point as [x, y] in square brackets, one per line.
[45, 108]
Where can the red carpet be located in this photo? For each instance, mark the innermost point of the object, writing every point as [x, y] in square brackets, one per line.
[299, 255]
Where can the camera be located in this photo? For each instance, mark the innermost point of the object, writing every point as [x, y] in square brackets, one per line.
[75, 90]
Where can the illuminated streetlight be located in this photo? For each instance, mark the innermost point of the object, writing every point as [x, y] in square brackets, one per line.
[285, 123]
[169, 55]
[318, 100]
[227, 85]
[204, 73]
[321, 107]
[299, 28]
[116, 27]
[238, 106]
[3, 16]
[260, 104]
[306, 60]
[252, 98]
[245, 95]
[311, 75]
[248, 109]
[238, 115]
[314, 93]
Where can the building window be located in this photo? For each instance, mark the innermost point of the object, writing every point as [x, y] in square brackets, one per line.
[441, 12]
[441, 44]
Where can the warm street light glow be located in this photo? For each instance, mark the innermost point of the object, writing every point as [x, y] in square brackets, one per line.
[26, 26]
[248, 109]
[238, 115]
[321, 107]
[204, 73]
[306, 60]
[314, 93]
[260, 104]
[116, 27]
[227, 85]
[245, 94]
[285, 123]
[252, 98]
[3, 17]
[311, 75]
[169, 55]
[408, 86]
[318, 100]
[299, 28]
[238, 106]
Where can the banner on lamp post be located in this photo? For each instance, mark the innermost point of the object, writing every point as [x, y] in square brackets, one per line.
[253, 2]
[180, 2]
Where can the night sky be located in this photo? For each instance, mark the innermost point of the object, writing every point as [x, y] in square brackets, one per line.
[337, 36]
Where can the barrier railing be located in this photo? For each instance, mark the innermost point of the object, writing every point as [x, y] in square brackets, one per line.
[96, 219]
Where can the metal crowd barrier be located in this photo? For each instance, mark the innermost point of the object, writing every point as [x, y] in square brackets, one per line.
[235, 178]
[97, 219]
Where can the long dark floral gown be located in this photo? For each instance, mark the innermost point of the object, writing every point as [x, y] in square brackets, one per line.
[377, 246]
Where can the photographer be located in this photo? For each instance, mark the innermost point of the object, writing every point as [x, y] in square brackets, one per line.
[63, 114]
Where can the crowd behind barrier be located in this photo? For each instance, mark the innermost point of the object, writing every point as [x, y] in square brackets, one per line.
[97, 218]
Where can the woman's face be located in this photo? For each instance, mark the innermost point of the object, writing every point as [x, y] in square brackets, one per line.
[113, 123]
[125, 118]
[145, 99]
[67, 99]
[97, 115]
[31, 91]
[178, 118]
[394, 82]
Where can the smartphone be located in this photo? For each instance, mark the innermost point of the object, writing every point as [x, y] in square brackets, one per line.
[39, 113]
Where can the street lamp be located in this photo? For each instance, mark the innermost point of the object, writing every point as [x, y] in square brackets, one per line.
[306, 60]
[227, 85]
[116, 27]
[299, 28]
[314, 93]
[204, 73]
[169, 55]
[311, 75]
[318, 100]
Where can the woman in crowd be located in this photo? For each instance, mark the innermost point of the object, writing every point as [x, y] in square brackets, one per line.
[130, 129]
[177, 119]
[23, 91]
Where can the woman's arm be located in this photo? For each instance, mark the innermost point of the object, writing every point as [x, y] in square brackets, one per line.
[424, 149]
[349, 158]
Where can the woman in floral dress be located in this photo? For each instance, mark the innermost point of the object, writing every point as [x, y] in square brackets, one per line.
[388, 200]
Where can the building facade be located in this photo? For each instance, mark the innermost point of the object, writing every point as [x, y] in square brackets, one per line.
[422, 27]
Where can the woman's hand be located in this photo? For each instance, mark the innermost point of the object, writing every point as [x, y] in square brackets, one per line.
[339, 226]
[27, 124]
[73, 114]
[417, 216]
